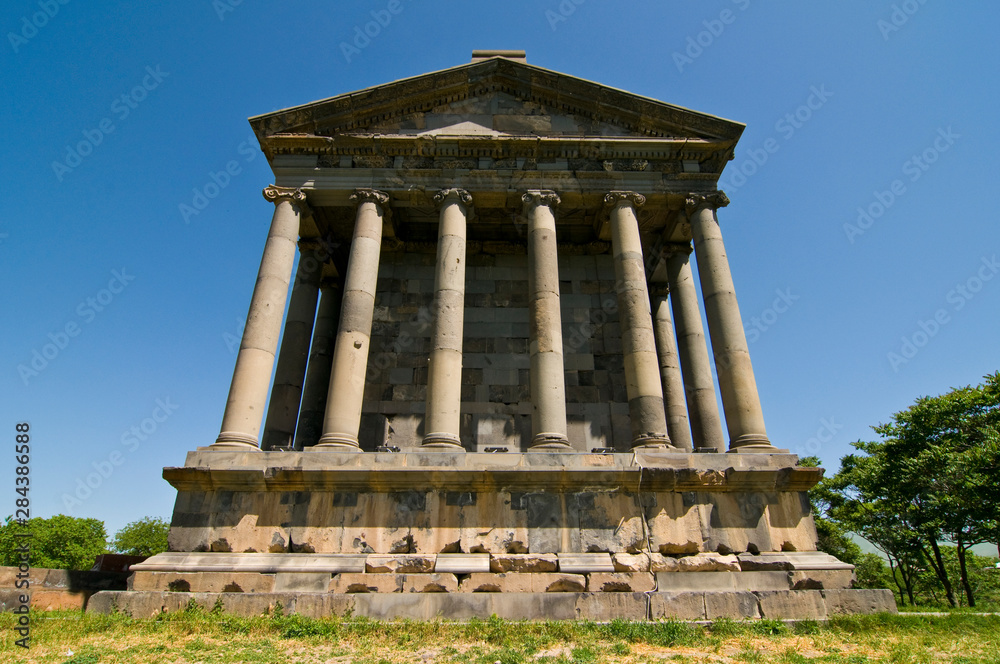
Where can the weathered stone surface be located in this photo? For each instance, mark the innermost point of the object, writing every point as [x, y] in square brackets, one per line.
[632, 562]
[621, 582]
[524, 583]
[393, 583]
[297, 582]
[583, 563]
[661, 563]
[841, 602]
[792, 604]
[523, 562]
[677, 606]
[825, 579]
[606, 607]
[204, 582]
[399, 564]
[722, 581]
[708, 562]
[733, 605]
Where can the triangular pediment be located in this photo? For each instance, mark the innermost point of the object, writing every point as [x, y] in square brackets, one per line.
[496, 97]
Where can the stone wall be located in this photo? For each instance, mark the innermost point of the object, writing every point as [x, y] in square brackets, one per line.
[496, 400]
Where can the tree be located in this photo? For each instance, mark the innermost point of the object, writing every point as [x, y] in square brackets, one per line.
[145, 537]
[59, 542]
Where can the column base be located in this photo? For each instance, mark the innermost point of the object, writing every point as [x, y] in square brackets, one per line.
[444, 440]
[233, 440]
[653, 441]
[336, 442]
[554, 442]
[754, 443]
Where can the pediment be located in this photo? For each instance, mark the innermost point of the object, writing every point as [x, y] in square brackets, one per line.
[496, 97]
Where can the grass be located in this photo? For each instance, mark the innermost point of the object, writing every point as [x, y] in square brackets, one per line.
[212, 637]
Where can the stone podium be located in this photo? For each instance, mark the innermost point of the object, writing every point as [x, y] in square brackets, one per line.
[493, 392]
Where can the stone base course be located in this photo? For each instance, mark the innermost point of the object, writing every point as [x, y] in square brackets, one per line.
[599, 606]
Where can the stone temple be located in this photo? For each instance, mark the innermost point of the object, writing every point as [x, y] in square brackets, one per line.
[493, 392]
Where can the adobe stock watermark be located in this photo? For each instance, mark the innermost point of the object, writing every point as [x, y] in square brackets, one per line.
[218, 180]
[32, 23]
[914, 169]
[696, 45]
[786, 126]
[363, 35]
[900, 16]
[86, 312]
[957, 297]
[130, 439]
[563, 11]
[121, 107]
[223, 7]
[764, 321]
[828, 428]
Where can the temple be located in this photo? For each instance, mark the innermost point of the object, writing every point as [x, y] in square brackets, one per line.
[492, 391]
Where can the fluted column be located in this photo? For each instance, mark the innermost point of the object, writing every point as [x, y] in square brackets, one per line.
[744, 417]
[642, 376]
[670, 370]
[548, 383]
[444, 368]
[342, 419]
[314, 393]
[692, 350]
[290, 373]
[255, 360]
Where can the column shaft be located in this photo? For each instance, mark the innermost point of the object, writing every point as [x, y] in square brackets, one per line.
[547, 375]
[314, 394]
[670, 371]
[642, 376]
[342, 419]
[744, 417]
[289, 375]
[444, 368]
[692, 349]
[255, 360]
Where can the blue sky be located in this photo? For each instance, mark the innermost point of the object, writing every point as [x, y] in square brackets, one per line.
[143, 309]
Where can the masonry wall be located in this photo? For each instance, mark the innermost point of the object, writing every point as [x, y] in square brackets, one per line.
[496, 399]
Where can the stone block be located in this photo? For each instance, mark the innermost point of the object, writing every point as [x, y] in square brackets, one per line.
[844, 602]
[621, 582]
[399, 564]
[513, 582]
[677, 606]
[733, 605]
[661, 563]
[605, 607]
[206, 582]
[708, 562]
[584, 563]
[792, 604]
[631, 562]
[393, 583]
[297, 582]
[524, 562]
[462, 563]
[58, 600]
[821, 579]
[722, 581]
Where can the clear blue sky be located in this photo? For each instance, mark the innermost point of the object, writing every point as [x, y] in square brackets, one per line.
[880, 94]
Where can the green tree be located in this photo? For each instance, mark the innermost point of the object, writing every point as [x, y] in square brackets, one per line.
[59, 542]
[145, 537]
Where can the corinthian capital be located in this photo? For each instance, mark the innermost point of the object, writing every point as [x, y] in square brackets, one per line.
[296, 197]
[460, 195]
[375, 196]
[613, 198]
[545, 197]
[713, 200]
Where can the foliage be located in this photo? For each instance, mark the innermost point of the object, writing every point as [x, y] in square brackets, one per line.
[145, 537]
[930, 480]
[59, 542]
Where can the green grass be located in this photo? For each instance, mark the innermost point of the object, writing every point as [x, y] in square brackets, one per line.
[211, 637]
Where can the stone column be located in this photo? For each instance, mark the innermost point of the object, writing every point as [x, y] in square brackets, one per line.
[670, 370]
[744, 417]
[692, 350]
[444, 368]
[255, 361]
[342, 419]
[642, 376]
[548, 382]
[289, 375]
[310, 426]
